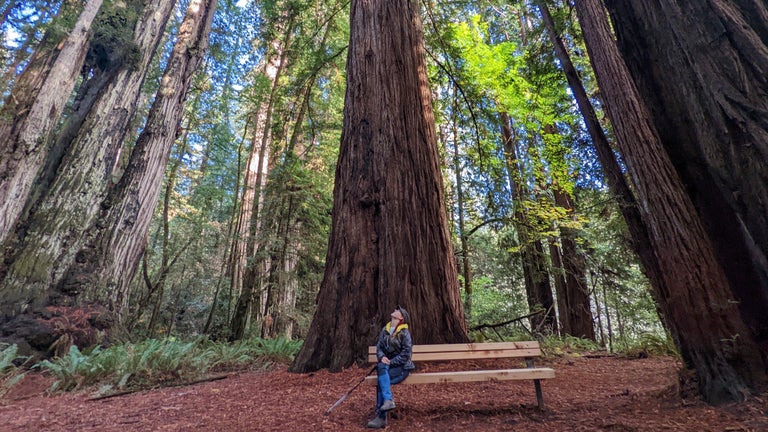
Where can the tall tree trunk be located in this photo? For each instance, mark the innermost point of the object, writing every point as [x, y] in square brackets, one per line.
[389, 240]
[607, 315]
[701, 309]
[613, 172]
[708, 98]
[578, 311]
[32, 111]
[598, 312]
[274, 309]
[558, 276]
[250, 266]
[535, 272]
[282, 281]
[466, 270]
[52, 236]
[108, 262]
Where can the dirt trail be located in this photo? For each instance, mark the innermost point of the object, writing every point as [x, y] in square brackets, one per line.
[589, 394]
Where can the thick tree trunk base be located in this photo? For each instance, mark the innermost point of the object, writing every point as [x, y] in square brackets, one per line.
[52, 331]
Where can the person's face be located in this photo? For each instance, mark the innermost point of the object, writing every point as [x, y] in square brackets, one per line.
[397, 317]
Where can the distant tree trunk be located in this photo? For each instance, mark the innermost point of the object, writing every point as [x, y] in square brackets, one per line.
[389, 240]
[708, 96]
[53, 234]
[251, 266]
[535, 272]
[282, 284]
[701, 309]
[578, 310]
[466, 270]
[607, 315]
[614, 175]
[32, 111]
[598, 312]
[558, 277]
[107, 263]
[276, 298]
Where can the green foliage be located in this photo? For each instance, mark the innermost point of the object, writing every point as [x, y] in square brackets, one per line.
[156, 362]
[647, 345]
[650, 344]
[494, 304]
[251, 352]
[225, 356]
[279, 350]
[553, 345]
[10, 371]
[71, 370]
[128, 365]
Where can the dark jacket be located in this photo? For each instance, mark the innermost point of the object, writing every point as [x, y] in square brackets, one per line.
[397, 347]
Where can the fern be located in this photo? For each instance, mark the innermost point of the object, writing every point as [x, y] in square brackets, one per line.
[651, 344]
[10, 373]
[278, 349]
[155, 362]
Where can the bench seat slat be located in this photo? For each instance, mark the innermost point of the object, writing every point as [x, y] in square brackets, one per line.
[468, 355]
[469, 347]
[472, 376]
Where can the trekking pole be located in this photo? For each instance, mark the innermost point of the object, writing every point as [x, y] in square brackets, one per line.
[338, 402]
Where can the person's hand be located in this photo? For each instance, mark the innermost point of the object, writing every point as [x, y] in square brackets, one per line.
[385, 360]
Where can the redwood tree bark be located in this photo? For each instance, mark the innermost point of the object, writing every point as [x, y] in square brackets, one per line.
[32, 111]
[702, 311]
[108, 262]
[54, 232]
[700, 66]
[389, 240]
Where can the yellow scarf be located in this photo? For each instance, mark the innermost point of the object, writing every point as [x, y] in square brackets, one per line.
[397, 330]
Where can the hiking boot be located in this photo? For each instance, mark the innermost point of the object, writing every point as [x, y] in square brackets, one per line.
[388, 404]
[377, 423]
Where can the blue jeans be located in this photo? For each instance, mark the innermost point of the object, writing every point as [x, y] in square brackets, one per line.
[388, 376]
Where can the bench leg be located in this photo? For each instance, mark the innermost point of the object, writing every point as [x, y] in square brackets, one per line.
[539, 395]
[537, 384]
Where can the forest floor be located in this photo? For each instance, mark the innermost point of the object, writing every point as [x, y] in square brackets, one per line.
[589, 393]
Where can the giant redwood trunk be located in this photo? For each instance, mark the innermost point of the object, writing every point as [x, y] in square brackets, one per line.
[701, 310]
[53, 234]
[389, 242]
[107, 263]
[32, 111]
[708, 95]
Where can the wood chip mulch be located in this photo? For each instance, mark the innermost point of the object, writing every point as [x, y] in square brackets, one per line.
[605, 393]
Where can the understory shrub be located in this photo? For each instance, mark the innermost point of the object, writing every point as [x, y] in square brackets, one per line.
[154, 362]
[11, 367]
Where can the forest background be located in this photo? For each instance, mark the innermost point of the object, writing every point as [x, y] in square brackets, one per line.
[181, 183]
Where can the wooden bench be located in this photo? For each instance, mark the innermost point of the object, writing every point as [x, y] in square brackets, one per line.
[476, 351]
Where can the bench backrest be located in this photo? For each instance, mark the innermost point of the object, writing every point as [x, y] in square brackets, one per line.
[469, 351]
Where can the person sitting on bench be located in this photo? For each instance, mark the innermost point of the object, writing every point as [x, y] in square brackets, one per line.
[393, 351]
